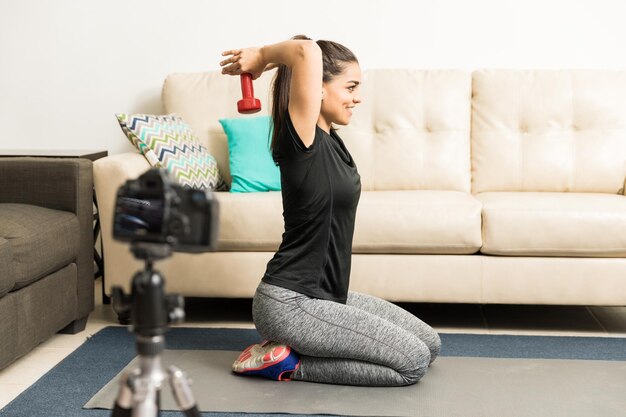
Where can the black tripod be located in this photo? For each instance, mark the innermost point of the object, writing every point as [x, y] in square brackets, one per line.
[150, 311]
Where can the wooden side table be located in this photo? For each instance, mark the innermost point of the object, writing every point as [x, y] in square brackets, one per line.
[74, 153]
[58, 153]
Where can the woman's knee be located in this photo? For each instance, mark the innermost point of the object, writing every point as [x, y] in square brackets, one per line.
[415, 371]
[415, 368]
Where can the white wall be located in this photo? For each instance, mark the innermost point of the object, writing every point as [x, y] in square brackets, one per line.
[67, 66]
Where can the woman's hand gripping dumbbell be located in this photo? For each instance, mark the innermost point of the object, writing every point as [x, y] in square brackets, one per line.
[249, 64]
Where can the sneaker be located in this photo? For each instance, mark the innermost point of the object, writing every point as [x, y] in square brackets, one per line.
[269, 359]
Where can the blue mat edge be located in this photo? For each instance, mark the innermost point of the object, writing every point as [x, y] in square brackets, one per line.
[43, 396]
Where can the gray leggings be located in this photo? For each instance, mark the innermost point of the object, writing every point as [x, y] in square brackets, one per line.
[368, 341]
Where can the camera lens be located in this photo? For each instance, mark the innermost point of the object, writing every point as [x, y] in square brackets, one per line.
[198, 198]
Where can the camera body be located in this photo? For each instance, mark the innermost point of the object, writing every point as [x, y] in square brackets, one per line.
[152, 209]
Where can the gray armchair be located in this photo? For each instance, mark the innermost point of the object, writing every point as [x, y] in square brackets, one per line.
[46, 251]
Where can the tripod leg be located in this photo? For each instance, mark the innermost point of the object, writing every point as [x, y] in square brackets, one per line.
[124, 401]
[145, 401]
[181, 389]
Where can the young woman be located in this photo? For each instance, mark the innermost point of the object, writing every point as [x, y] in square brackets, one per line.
[316, 329]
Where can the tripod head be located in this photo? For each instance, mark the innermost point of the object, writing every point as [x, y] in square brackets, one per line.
[150, 309]
[151, 252]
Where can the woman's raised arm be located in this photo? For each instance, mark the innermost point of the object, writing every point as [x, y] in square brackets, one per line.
[304, 58]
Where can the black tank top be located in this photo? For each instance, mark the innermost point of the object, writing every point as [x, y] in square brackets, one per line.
[320, 188]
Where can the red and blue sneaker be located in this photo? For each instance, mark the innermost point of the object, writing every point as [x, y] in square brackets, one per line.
[269, 359]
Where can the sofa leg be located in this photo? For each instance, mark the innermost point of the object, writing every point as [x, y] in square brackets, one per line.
[76, 326]
[121, 305]
[123, 317]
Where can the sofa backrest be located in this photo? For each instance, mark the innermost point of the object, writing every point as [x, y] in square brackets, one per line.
[548, 130]
[411, 131]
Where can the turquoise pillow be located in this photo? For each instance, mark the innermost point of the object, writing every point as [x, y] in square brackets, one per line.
[250, 159]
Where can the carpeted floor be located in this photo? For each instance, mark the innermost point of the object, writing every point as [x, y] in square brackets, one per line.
[66, 388]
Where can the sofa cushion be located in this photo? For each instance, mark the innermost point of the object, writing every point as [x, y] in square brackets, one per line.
[554, 224]
[41, 240]
[250, 221]
[417, 222]
[412, 130]
[251, 165]
[429, 222]
[548, 130]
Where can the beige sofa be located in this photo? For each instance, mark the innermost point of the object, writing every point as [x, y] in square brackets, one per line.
[492, 186]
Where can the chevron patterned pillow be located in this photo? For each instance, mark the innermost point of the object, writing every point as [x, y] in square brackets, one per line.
[168, 142]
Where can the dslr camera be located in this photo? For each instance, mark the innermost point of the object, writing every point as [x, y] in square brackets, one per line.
[152, 209]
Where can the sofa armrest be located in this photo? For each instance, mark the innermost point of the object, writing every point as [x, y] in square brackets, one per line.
[60, 184]
[56, 183]
[109, 174]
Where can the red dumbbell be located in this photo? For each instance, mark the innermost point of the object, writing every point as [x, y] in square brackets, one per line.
[248, 104]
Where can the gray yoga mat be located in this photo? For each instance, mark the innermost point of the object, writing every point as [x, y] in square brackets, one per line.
[453, 386]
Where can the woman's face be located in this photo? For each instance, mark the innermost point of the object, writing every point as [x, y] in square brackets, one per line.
[341, 95]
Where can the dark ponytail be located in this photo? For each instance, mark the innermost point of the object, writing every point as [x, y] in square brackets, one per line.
[334, 57]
